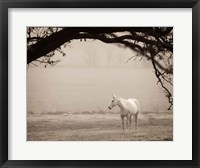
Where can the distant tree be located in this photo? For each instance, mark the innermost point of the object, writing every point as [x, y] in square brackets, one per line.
[152, 43]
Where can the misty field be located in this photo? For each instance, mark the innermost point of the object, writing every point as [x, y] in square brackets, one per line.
[71, 104]
[98, 126]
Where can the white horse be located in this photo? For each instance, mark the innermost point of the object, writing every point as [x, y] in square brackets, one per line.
[128, 108]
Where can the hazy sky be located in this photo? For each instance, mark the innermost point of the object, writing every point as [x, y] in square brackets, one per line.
[94, 53]
[91, 72]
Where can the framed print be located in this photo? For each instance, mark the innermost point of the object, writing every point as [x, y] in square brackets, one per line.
[103, 84]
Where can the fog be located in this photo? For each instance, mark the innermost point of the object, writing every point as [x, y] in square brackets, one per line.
[88, 76]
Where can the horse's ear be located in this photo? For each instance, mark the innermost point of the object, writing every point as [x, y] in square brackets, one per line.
[114, 96]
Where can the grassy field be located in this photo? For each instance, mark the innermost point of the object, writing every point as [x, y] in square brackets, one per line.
[97, 126]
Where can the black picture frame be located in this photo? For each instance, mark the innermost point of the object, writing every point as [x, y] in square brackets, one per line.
[4, 69]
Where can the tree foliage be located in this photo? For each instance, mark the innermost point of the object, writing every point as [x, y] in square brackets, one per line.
[152, 43]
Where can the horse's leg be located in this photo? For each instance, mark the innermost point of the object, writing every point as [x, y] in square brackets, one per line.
[136, 118]
[127, 118]
[130, 121]
[122, 117]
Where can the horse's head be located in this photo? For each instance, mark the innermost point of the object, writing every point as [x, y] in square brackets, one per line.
[113, 102]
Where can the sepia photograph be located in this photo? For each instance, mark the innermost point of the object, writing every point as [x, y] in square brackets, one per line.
[99, 83]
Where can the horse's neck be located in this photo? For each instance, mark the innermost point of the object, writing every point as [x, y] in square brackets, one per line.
[121, 104]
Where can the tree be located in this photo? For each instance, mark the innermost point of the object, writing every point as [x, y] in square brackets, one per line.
[152, 43]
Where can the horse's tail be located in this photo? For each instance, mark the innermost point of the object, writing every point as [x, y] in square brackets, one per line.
[138, 105]
[138, 111]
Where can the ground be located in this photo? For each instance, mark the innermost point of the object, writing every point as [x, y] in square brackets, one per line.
[98, 126]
